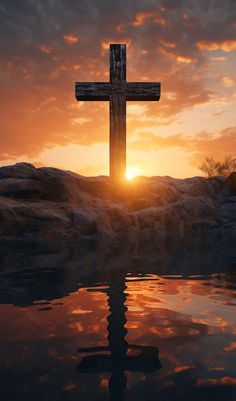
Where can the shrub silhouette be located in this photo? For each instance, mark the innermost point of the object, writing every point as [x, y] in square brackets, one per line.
[211, 167]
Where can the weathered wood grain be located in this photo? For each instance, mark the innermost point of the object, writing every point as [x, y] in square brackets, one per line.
[117, 136]
[118, 111]
[92, 91]
[118, 64]
[148, 91]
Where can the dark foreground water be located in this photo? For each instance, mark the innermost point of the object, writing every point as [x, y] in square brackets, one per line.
[126, 337]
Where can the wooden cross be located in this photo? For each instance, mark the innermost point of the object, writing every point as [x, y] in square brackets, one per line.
[117, 92]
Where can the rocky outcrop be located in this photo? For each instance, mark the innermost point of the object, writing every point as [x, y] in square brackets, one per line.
[51, 211]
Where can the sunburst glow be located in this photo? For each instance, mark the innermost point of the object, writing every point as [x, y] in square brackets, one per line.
[132, 172]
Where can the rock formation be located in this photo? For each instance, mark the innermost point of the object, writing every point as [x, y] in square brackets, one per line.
[47, 211]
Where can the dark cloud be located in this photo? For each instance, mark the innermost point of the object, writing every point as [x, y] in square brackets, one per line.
[47, 45]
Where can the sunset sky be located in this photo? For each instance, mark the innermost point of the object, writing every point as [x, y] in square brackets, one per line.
[47, 45]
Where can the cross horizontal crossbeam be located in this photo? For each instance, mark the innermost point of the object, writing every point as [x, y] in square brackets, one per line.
[133, 91]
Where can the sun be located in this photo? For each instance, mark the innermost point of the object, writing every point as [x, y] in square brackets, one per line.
[132, 172]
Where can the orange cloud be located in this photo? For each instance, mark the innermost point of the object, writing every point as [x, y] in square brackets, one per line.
[225, 45]
[230, 347]
[56, 73]
[168, 44]
[76, 66]
[228, 81]
[106, 43]
[186, 60]
[219, 146]
[160, 21]
[71, 39]
[218, 58]
[226, 380]
[198, 146]
[148, 141]
[120, 28]
[45, 48]
[182, 368]
[142, 17]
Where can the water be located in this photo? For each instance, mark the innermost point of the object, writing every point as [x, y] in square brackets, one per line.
[123, 337]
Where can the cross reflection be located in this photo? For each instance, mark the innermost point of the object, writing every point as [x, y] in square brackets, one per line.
[115, 358]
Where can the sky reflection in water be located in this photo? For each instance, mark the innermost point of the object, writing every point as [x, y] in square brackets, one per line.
[129, 338]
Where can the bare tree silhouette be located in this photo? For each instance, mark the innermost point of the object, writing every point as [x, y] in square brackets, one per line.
[211, 167]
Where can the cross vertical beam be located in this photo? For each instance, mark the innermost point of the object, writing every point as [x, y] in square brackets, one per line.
[118, 111]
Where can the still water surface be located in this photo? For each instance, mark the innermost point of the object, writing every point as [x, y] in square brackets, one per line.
[128, 337]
